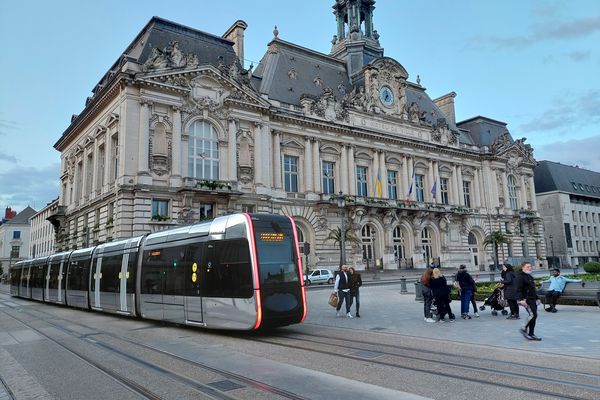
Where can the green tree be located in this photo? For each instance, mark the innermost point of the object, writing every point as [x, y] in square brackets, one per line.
[496, 239]
[349, 237]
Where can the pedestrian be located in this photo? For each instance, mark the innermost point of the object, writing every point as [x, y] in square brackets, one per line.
[441, 294]
[557, 285]
[473, 302]
[427, 294]
[342, 289]
[466, 286]
[508, 282]
[527, 298]
[355, 284]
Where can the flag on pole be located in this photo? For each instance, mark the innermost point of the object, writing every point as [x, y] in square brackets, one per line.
[433, 190]
[378, 186]
[410, 189]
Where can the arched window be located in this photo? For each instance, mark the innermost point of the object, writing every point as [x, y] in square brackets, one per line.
[398, 239]
[512, 193]
[427, 245]
[203, 151]
[474, 250]
[368, 242]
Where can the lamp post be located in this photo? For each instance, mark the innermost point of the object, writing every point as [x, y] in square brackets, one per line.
[341, 201]
[552, 248]
[523, 217]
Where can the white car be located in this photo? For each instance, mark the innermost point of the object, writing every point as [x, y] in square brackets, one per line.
[319, 276]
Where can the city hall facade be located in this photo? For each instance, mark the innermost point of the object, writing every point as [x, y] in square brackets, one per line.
[178, 131]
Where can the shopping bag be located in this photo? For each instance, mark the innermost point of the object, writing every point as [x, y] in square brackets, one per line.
[333, 300]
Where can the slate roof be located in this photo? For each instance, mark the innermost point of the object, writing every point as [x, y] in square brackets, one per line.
[551, 176]
[483, 131]
[22, 218]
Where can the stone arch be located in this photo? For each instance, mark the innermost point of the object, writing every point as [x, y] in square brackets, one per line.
[217, 125]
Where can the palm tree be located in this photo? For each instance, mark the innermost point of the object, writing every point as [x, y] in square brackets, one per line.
[349, 236]
[496, 238]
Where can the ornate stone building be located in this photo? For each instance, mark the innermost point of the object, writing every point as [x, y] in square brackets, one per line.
[177, 131]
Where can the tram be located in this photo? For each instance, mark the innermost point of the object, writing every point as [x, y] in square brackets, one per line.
[238, 272]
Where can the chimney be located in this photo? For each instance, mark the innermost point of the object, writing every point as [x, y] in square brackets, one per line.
[236, 35]
[446, 104]
[9, 213]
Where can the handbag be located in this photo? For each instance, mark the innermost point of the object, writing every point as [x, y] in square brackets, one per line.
[456, 284]
[333, 300]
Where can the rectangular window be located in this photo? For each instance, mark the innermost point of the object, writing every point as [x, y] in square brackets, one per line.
[160, 209]
[419, 188]
[101, 160]
[361, 181]
[328, 177]
[573, 216]
[577, 247]
[392, 181]
[17, 235]
[290, 173]
[14, 251]
[248, 208]
[568, 235]
[444, 190]
[576, 229]
[467, 193]
[89, 174]
[115, 154]
[207, 211]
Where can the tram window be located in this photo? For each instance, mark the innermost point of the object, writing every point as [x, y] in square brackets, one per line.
[37, 277]
[54, 267]
[174, 270]
[131, 268]
[276, 258]
[78, 275]
[14, 277]
[227, 271]
[110, 269]
[151, 272]
[236, 231]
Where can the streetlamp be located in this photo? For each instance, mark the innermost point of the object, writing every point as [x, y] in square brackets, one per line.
[341, 201]
[523, 217]
[552, 248]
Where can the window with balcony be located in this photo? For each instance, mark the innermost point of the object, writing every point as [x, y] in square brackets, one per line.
[361, 181]
[328, 177]
[203, 151]
[467, 193]
[444, 191]
[512, 193]
[419, 188]
[392, 181]
[160, 210]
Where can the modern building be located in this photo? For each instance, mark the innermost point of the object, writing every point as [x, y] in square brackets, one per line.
[569, 203]
[42, 231]
[14, 238]
[178, 131]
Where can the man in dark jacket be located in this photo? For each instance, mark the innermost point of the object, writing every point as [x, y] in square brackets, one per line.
[527, 296]
[510, 290]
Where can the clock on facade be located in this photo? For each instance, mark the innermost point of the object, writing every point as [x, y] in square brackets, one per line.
[386, 96]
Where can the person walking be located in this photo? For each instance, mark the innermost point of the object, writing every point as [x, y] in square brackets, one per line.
[473, 302]
[557, 285]
[427, 294]
[342, 289]
[528, 298]
[441, 294]
[355, 284]
[508, 282]
[466, 290]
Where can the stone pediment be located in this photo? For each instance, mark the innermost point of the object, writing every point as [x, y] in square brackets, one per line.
[517, 152]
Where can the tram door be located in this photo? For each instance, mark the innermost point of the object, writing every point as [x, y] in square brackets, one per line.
[194, 265]
[163, 284]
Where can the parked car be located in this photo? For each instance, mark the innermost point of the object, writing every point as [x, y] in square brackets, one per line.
[319, 276]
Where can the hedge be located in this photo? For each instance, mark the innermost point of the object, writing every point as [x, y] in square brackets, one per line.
[592, 267]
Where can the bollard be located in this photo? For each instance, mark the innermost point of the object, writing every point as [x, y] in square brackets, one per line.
[492, 277]
[418, 291]
[403, 285]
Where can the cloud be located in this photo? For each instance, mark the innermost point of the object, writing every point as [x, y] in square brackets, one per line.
[6, 157]
[581, 152]
[549, 30]
[567, 112]
[580, 55]
[29, 186]
[7, 125]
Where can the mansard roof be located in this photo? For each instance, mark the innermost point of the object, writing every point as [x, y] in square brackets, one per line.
[551, 176]
[484, 131]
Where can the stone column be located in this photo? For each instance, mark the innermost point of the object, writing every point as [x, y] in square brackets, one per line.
[265, 144]
[431, 180]
[455, 192]
[144, 139]
[95, 177]
[317, 178]
[232, 150]
[523, 192]
[476, 199]
[277, 182]
[404, 179]
[374, 174]
[351, 171]
[108, 161]
[532, 193]
[258, 154]
[383, 172]
[308, 165]
[176, 147]
[344, 171]
[505, 190]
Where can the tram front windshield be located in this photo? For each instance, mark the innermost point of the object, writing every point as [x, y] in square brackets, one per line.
[275, 247]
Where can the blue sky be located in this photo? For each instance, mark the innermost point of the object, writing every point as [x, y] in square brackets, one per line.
[532, 64]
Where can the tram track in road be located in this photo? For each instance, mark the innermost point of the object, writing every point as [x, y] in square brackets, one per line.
[554, 383]
[96, 338]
